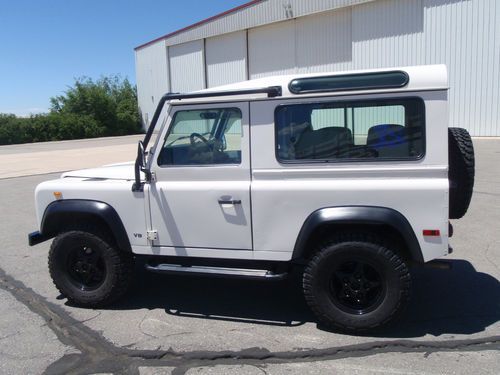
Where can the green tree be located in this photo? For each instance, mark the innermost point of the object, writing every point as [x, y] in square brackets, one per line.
[110, 101]
[88, 109]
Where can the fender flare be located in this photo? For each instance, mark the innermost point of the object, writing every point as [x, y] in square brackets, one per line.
[60, 211]
[367, 215]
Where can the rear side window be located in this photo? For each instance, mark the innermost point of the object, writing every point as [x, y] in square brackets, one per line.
[366, 130]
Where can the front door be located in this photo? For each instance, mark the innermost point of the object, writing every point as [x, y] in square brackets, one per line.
[201, 196]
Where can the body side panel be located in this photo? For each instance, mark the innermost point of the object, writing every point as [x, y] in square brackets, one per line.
[284, 195]
[129, 206]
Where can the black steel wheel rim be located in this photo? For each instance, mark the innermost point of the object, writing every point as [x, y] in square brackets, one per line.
[86, 267]
[357, 286]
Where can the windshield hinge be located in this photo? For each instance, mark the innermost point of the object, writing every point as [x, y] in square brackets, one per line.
[152, 235]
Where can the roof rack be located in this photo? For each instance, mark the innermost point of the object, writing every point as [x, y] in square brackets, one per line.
[271, 91]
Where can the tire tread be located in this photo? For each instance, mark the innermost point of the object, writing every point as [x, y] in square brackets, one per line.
[461, 171]
[355, 239]
[122, 267]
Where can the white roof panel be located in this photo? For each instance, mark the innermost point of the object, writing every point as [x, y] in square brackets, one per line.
[421, 78]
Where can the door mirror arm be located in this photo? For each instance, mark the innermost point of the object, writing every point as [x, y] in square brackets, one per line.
[140, 166]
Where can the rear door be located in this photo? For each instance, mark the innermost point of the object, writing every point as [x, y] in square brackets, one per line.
[201, 196]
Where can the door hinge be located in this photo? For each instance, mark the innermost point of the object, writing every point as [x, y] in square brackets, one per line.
[153, 177]
[152, 235]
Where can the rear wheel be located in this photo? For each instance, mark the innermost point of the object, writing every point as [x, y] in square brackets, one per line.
[356, 285]
[89, 270]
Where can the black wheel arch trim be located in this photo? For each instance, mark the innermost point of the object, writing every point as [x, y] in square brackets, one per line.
[62, 209]
[366, 215]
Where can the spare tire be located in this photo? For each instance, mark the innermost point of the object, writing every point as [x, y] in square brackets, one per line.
[461, 171]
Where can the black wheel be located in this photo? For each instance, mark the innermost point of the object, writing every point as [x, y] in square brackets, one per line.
[356, 285]
[89, 270]
[461, 171]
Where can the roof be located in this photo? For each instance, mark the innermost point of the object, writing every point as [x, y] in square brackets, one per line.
[194, 25]
[250, 15]
[421, 78]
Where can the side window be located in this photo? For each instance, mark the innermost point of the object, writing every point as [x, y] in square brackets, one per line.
[201, 137]
[377, 129]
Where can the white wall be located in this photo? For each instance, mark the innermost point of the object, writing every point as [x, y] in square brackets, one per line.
[226, 58]
[463, 34]
[317, 43]
[187, 66]
[151, 68]
[271, 49]
[323, 42]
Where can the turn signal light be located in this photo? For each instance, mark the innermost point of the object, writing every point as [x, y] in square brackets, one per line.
[432, 232]
[57, 194]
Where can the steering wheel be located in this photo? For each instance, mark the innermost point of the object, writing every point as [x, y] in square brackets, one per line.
[193, 136]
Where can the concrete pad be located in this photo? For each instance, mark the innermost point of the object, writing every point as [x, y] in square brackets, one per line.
[182, 321]
[27, 345]
[48, 157]
[390, 364]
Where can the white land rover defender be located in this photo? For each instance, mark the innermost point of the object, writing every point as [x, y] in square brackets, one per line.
[351, 178]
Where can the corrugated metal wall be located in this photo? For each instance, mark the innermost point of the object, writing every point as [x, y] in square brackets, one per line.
[271, 49]
[317, 43]
[152, 77]
[187, 66]
[466, 36]
[463, 34]
[334, 51]
[263, 13]
[226, 58]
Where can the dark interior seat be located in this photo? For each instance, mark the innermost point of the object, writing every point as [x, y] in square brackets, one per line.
[324, 143]
[389, 140]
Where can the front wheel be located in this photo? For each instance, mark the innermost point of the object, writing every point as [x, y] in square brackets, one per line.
[356, 285]
[88, 269]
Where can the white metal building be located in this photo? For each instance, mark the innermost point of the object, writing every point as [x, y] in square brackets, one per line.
[274, 37]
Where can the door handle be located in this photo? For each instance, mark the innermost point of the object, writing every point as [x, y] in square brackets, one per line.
[230, 201]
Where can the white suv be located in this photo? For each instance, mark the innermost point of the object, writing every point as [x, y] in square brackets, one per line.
[349, 178]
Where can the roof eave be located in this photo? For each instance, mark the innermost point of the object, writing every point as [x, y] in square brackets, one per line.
[200, 23]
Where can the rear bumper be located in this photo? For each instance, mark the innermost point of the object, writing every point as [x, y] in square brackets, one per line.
[34, 238]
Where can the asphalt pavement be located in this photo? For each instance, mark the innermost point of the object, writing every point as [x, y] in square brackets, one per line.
[180, 324]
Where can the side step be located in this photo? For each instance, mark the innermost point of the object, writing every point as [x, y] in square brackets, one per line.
[216, 271]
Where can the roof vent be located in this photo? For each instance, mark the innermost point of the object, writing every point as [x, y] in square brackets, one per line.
[347, 82]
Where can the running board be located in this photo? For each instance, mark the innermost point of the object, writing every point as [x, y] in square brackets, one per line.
[216, 271]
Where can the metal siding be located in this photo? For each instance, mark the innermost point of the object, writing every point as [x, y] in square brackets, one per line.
[187, 66]
[226, 58]
[152, 78]
[263, 13]
[323, 42]
[387, 33]
[463, 34]
[271, 50]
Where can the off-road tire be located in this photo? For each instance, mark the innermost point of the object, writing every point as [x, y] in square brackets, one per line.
[461, 171]
[395, 278]
[118, 269]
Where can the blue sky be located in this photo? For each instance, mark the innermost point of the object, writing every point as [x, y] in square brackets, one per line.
[45, 44]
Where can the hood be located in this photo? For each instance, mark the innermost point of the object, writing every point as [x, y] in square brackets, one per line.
[121, 171]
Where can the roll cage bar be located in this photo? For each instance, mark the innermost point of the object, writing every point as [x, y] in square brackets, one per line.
[271, 91]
